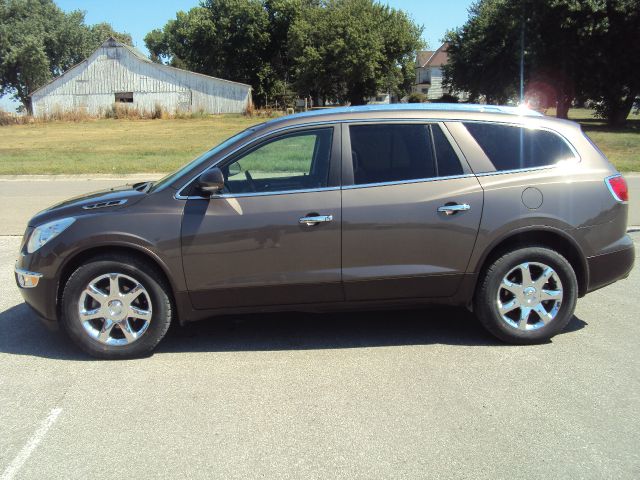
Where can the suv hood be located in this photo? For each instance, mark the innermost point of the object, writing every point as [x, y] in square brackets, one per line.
[100, 201]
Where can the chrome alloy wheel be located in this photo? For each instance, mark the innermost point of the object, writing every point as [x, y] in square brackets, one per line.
[529, 296]
[115, 309]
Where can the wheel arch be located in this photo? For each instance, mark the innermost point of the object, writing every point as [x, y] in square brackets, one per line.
[549, 237]
[83, 256]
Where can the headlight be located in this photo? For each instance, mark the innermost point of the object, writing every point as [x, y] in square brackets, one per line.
[46, 232]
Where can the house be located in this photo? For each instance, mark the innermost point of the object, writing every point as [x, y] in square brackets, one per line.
[118, 73]
[429, 74]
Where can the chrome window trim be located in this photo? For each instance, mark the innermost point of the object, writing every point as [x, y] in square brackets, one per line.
[256, 194]
[516, 170]
[404, 182]
[178, 195]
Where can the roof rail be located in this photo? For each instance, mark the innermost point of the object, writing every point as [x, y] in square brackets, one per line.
[441, 107]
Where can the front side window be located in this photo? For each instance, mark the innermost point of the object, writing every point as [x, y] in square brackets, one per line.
[511, 147]
[297, 161]
[399, 152]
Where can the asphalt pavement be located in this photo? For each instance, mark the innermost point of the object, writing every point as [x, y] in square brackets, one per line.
[399, 394]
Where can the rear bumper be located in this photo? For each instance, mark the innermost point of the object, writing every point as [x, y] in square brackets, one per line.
[610, 267]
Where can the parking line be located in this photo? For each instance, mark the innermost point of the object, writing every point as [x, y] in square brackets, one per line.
[30, 446]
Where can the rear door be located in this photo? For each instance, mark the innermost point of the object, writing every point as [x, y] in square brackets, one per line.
[411, 209]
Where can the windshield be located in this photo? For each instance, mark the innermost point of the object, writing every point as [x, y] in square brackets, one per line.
[168, 179]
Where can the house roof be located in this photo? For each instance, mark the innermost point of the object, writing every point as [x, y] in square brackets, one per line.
[423, 56]
[113, 43]
[437, 58]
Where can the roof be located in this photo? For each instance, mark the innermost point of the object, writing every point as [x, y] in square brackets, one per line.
[436, 58]
[113, 43]
[421, 107]
[423, 56]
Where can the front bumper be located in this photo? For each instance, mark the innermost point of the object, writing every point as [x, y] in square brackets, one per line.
[610, 267]
[38, 291]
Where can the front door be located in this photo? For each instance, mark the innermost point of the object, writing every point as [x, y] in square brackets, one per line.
[272, 237]
[410, 214]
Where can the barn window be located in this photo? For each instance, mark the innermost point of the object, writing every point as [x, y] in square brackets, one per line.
[124, 97]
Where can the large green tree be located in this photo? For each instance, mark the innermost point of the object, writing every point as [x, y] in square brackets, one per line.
[571, 48]
[224, 38]
[343, 49]
[39, 41]
[349, 50]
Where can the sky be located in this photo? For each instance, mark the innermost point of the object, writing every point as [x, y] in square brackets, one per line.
[138, 17]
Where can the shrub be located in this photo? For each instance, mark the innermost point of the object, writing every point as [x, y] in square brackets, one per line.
[416, 97]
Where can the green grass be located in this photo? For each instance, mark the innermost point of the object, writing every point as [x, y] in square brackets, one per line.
[621, 146]
[112, 146]
[132, 146]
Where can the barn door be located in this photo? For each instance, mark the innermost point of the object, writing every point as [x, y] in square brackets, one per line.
[184, 101]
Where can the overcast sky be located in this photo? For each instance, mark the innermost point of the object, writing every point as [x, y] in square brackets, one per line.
[138, 17]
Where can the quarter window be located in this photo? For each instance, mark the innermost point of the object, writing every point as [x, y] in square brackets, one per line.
[448, 161]
[397, 152]
[511, 148]
[297, 161]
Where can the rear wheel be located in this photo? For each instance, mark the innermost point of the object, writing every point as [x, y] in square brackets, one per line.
[527, 295]
[116, 307]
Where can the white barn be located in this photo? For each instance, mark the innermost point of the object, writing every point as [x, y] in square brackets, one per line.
[118, 73]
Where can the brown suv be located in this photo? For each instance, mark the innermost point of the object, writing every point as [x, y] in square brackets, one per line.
[504, 211]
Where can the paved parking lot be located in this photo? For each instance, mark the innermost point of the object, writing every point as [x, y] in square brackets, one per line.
[400, 394]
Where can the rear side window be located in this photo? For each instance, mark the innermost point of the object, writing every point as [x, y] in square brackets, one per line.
[512, 148]
[396, 152]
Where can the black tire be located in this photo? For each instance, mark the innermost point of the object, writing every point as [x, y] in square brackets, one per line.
[147, 275]
[486, 305]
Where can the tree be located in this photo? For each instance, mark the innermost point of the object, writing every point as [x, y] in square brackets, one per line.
[482, 57]
[39, 41]
[571, 49]
[612, 71]
[223, 38]
[339, 49]
[349, 50]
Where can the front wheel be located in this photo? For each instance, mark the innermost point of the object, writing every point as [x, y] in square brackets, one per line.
[527, 295]
[116, 307]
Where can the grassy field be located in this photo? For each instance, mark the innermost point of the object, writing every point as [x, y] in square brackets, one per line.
[112, 146]
[129, 146]
[622, 147]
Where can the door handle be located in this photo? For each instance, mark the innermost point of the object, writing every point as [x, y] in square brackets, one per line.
[312, 220]
[454, 208]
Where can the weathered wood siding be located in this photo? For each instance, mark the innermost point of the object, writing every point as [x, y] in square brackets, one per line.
[92, 84]
[435, 91]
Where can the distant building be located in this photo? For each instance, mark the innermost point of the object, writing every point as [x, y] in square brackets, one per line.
[382, 98]
[118, 73]
[429, 74]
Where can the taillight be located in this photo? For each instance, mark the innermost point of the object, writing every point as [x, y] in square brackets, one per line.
[618, 187]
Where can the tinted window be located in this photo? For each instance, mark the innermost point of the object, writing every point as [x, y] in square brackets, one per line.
[388, 153]
[448, 161]
[511, 148]
[297, 161]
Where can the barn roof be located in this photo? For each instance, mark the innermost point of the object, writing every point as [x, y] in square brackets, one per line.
[113, 43]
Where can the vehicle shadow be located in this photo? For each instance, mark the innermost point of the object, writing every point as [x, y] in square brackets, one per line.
[22, 333]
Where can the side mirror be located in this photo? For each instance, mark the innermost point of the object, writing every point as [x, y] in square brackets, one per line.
[211, 181]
